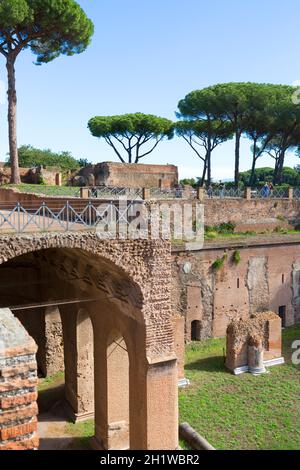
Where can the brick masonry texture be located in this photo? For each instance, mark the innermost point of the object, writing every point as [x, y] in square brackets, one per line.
[261, 328]
[266, 278]
[249, 212]
[18, 386]
[143, 262]
[129, 175]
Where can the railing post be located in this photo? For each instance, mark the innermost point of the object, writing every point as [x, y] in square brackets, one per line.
[291, 193]
[67, 206]
[84, 193]
[43, 214]
[18, 221]
[186, 193]
[200, 193]
[90, 214]
[146, 193]
[247, 193]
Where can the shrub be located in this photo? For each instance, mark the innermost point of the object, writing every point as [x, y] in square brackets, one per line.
[219, 263]
[236, 257]
[226, 227]
[211, 235]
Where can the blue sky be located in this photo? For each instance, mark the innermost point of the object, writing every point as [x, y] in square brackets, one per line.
[145, 56]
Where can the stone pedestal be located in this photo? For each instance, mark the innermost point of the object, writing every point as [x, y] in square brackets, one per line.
[256, 359]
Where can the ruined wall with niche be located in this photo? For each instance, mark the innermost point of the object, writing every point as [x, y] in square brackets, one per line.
[267, 277]
[263, 328]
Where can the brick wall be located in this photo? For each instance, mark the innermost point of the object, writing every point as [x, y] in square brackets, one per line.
[266, 278]
[250, 211]
[31, 176]
[130, 175]
[18, 386]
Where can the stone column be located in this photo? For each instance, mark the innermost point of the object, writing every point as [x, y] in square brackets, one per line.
[79, 363]
[256, 356]
[146, 193]
[290, 193]
[154, 405]
[84, 193]
[200, 194]
[100, 440]
[179, 344]
[58, 179]
[85, 367]
[52, 355]
[247, 193]
[69, 318]
[118, 393]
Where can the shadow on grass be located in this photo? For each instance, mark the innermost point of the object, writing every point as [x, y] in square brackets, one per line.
[49, 397]
[209, 364]
[65, 443]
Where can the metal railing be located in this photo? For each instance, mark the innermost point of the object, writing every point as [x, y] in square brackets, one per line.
[122, 219]
[224, 193]
[174, 193]
[46, 217]
[266, 192]
[102, 192]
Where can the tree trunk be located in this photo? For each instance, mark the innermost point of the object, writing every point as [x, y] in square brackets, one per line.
[237, 158]
[279, 168]
[204, 173]
[12, 121]
[208, 157]
[251, 181]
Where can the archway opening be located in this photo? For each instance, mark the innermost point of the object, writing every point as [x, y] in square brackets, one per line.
[196, 330]
[66, 299]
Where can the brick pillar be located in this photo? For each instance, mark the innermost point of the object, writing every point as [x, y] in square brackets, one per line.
[200, 194]
[146, 193]
[186, 193]
[179, 344]
[154, 405]
[247, 193]
[84, 193]
[291, 193]
[18, 386]
[85, 366]
[58, 179]
[51, 350]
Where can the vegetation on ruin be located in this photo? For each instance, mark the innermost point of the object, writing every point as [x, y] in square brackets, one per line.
[225, 228]
[132, 136]
[49, 28]
[219, 263]
[236, 257]
[242, 412]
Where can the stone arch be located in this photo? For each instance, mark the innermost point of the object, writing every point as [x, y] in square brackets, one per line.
[135, 279]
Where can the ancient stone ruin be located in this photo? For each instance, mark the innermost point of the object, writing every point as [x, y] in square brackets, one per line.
[18, 385]
[127, 175]
[254, 343]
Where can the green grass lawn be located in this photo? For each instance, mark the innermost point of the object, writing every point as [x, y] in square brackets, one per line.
[242, 412]
[231, 412]
[45, 190]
